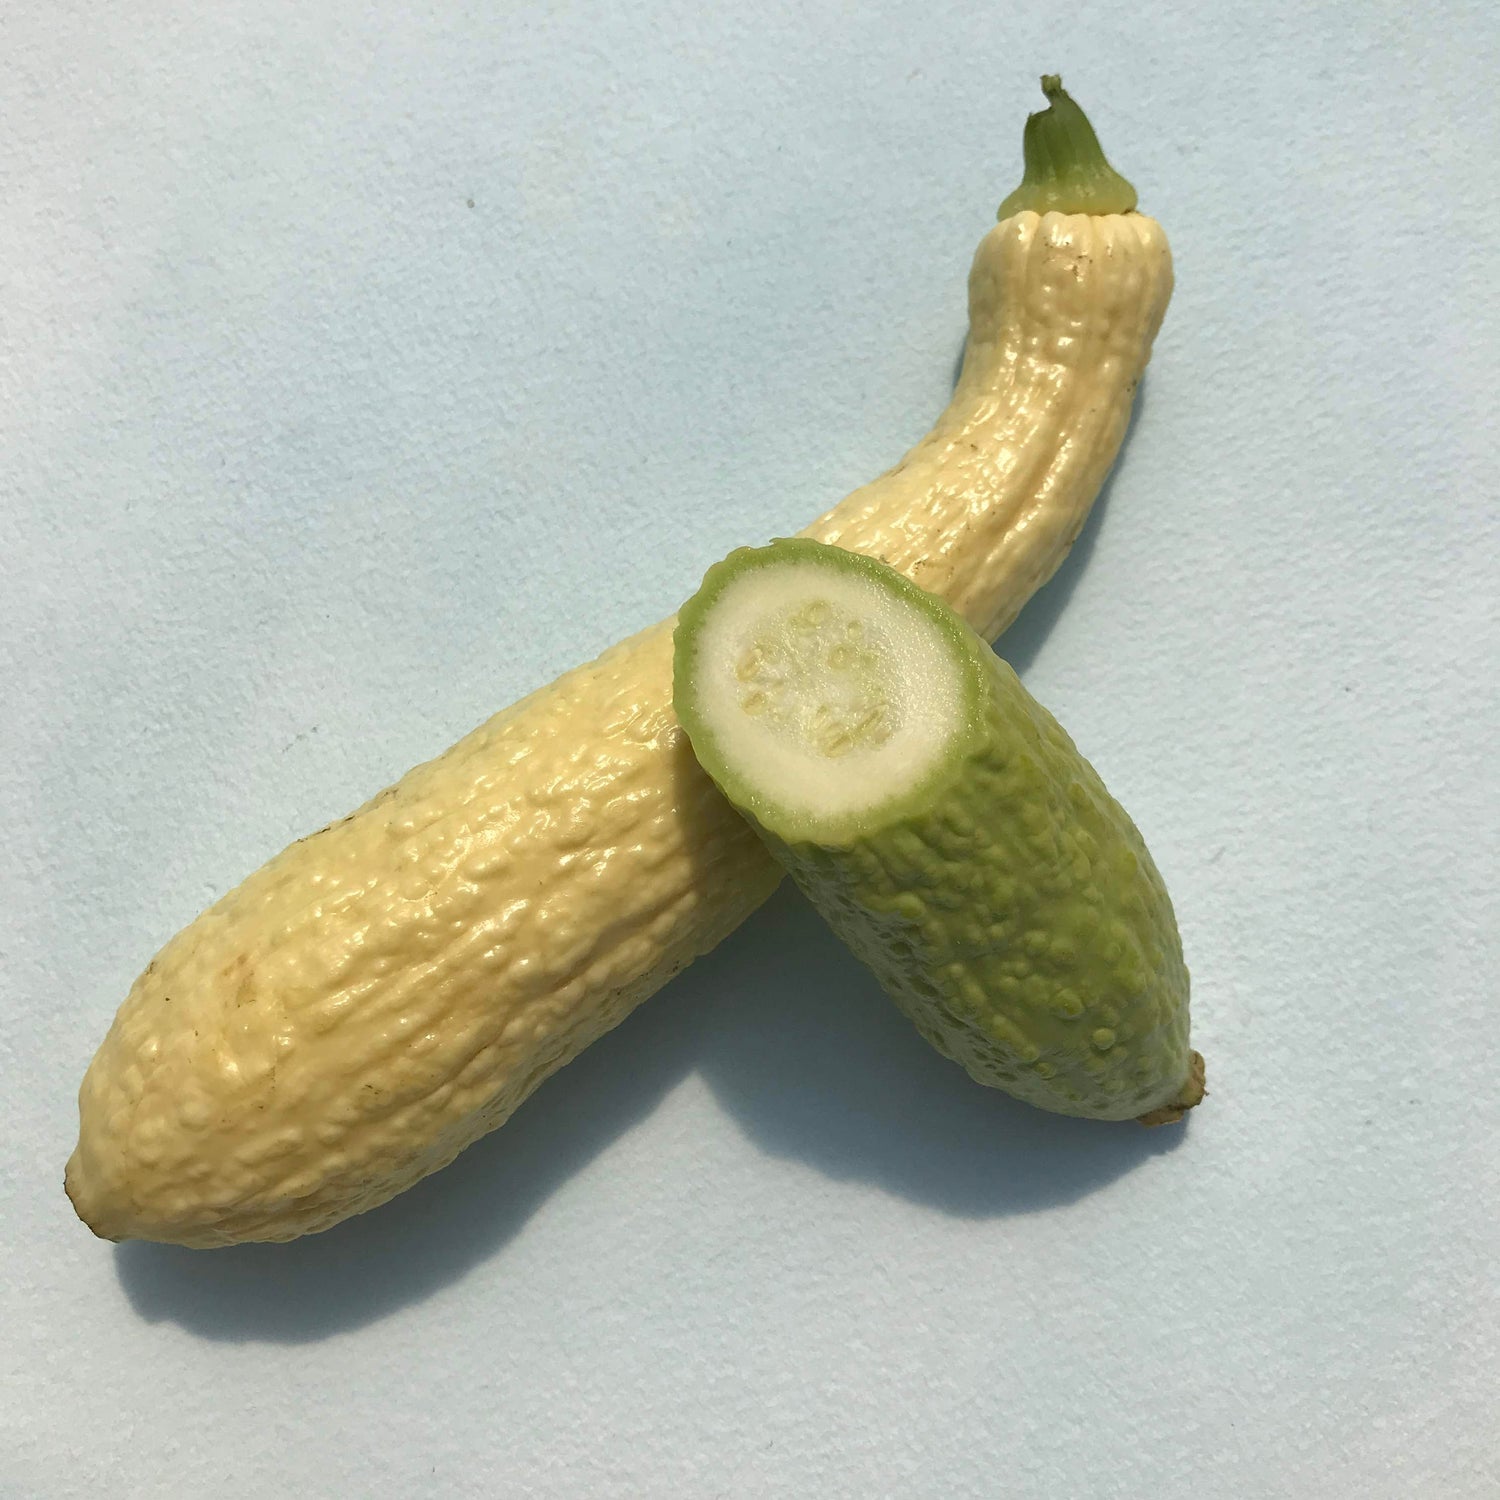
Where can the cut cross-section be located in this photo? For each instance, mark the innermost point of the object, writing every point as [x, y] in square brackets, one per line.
[820, 692]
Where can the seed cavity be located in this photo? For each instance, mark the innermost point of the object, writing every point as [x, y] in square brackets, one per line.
[817, 675]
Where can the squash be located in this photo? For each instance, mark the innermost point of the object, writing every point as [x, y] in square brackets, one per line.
[943, 824]
[387, 990]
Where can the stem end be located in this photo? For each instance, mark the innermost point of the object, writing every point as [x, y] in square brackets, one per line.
[1065, 168]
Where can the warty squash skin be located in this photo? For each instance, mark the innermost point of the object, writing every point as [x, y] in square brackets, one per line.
[389, 989]
[943, 825]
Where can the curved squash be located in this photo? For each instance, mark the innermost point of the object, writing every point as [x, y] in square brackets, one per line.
[384, 992]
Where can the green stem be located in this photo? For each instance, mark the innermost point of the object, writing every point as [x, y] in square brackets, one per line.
[1065, 166]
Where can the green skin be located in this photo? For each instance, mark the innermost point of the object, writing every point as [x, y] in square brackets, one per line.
[1006, 903]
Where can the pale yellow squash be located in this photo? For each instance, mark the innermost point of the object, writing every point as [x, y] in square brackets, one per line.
[387, 990]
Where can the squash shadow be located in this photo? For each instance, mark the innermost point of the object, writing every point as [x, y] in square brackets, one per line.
[799, 1048]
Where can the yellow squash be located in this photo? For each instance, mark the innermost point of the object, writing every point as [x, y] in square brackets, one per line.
[387, 990]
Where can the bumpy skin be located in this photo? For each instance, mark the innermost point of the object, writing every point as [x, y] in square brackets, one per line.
[1020, 923]
[383, 993]
[1062, 313]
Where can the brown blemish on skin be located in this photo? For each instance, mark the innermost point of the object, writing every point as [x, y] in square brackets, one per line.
[1193, 1093]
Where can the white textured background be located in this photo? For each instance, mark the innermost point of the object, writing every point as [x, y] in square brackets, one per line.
[363, 366]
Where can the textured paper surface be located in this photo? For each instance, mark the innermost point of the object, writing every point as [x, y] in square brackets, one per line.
[364, 367]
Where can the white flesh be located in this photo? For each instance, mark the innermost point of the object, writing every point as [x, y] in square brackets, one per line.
[824, 692]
